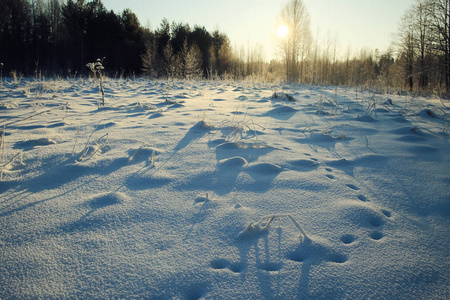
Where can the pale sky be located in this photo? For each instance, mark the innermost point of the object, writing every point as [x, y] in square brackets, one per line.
[356, 23]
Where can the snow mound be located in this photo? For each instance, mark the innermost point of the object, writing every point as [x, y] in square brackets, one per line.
[232, 162]
[107, 199]
[146, 200]
[265, 168]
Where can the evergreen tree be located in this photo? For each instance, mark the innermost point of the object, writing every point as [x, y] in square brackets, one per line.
[133, 44]
[222, 54]
[15, 34]
[202, 38]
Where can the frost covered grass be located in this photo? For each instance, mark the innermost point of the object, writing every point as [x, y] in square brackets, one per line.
[315, 193]
[264, 223]
[96, 70]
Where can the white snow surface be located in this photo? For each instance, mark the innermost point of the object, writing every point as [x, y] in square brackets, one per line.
[150, 196]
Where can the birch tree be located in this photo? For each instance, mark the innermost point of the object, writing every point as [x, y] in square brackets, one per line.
[294, 47]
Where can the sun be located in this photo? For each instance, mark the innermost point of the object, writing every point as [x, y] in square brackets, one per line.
[282, 31]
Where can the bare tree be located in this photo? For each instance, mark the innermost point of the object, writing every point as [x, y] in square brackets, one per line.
[439, 11]
[296, 44]
[405, 42]
[422, 44]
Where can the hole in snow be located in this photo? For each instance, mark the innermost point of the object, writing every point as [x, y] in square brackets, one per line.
[338, 258]
[237, 267]
[362, 198]
[270, 266]
[353, 187]
[376, 235]
[376, 222]
[219, 264]
[386, 213]
[298, 256]
[348, 239]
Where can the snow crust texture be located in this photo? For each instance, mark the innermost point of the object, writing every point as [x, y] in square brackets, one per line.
[157, 195]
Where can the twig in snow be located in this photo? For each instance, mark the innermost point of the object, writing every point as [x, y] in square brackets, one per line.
[265, 221]
[331, 127]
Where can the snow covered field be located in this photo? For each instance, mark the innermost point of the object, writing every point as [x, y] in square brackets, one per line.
[150, 196]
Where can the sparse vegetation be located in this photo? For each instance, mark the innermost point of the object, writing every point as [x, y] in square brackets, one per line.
[264, 223]
[17, 77]
[204, 170]
[97, 71]
[342, 135]
[159, 195]
[416, 62]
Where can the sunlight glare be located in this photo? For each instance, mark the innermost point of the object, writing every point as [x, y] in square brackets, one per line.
[282, 31]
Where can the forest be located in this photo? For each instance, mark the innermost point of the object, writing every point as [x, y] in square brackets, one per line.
[169, 162]
[57, 37]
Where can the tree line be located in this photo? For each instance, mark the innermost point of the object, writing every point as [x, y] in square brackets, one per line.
[61, 37]
[419, 58]
[176, 50]
[423, 41]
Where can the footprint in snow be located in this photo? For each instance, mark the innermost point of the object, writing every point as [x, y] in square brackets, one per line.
[386, 213]
[269, 266]
[363, 214]
[195, 292]
[362, 198]
[315, 252]
[353, 187]
[376, 235]
[236, 267]
[221, 263]
[348, 238]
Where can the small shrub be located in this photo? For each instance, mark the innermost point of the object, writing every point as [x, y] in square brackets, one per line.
[283, 96]
[96, 69]
[17, 78]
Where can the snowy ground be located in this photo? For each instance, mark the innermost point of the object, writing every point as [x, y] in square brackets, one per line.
[149, 196]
